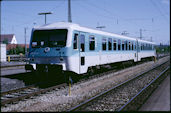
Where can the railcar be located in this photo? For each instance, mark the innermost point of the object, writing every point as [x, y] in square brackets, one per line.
[70, 47]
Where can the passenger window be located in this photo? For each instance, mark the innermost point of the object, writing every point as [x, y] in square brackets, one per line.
[103, 44]
[119, 44]
[123, 45]
[152, 47]
[110, 43]
[114, 44]
[142, 46]
[126, 45]
[132, 45]
[75, 45]
[82, 43]
[129, 45]
[91, 43]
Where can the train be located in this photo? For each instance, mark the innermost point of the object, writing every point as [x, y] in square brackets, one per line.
[70, 47]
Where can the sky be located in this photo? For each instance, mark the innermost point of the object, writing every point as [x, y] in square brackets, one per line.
[118, 16]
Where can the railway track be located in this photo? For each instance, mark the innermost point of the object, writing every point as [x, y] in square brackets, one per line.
[20, 94]
[8, 66]
[123, 96]
[16, 95]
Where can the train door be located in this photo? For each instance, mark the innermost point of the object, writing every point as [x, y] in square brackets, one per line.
[82, 64]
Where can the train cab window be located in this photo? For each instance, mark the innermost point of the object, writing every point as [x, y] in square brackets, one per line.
[123, 47]
[91, 43]
[119, 44]
[110, 43]
[132, 45]
[82, 43]
[135, 46]
[129, 45]
[114, 44]
[75, 44]
[103, 44]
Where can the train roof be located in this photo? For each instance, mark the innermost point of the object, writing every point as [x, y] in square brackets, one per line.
[63, 25]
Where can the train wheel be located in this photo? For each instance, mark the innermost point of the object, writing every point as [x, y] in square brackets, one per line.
[90, 71]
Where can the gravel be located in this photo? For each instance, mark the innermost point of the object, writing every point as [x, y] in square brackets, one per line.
[61, 101]
[9, 84]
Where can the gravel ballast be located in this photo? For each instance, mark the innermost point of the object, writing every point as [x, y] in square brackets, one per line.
[60, 100]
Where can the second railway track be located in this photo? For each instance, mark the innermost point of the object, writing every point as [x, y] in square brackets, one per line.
[114, 98]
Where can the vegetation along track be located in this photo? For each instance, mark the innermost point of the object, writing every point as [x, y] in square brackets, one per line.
[119, 97]
[25, 92]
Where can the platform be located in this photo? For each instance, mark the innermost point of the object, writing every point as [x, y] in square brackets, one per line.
[160, 98]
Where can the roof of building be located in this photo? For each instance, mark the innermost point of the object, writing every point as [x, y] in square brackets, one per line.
[6, 36]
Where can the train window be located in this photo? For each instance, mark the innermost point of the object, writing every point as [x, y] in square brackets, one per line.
[141, 46]
[132, 45]
[119, 44]
[135, 46]
[91, 43]
[82, 43]
[110, 43]
[47, 38]
[75, 44]
[103, 44]
[114, 44]
[82, 60]
[123, 45]
[126, 45]
[152, 47]
[129, 45]
[146, 47]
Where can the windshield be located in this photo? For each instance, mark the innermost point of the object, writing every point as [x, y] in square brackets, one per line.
[49, 38]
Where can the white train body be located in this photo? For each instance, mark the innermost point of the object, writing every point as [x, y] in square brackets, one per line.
[83, 47]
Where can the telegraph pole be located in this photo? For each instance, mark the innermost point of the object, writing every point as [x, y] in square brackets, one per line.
[140, 33]
[25, 40]
[44, 14]
[151, 38]
[69, 11]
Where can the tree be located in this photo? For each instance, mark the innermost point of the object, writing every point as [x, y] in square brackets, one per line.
[5, 41]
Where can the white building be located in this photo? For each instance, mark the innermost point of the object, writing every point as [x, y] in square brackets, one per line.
[8, 39]
[3, 53]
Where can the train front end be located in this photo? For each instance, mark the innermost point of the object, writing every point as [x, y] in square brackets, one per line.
[47, 50]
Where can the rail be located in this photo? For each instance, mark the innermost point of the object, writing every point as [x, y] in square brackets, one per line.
[136, 102]
[16, 95]
[79, 106]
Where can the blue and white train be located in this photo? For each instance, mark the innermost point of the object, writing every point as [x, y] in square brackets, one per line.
[70, 47]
